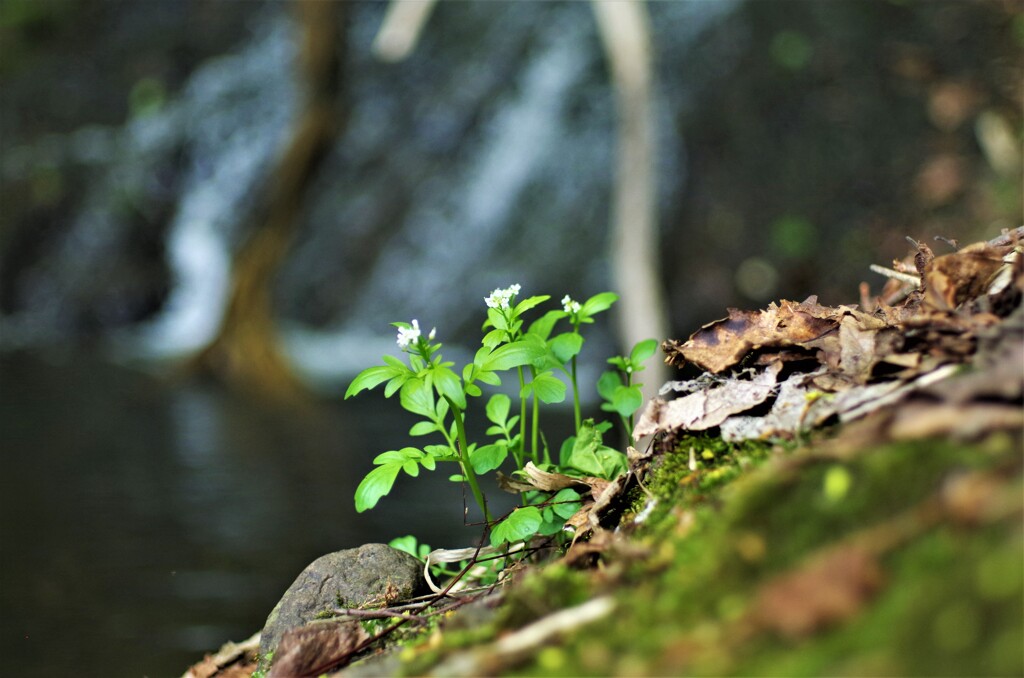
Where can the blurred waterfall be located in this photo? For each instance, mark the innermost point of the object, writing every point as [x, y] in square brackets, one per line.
[484, 159]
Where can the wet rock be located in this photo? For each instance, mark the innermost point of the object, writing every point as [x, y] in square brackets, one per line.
[346, 578]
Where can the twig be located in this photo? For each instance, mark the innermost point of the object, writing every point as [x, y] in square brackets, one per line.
[896, 275]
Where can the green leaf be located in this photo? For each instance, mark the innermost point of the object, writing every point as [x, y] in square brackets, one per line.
[528, 303]
[607, 384]
[394, 362]
[448, 385]
[423, 428]
[597, 303]
[627, 400]
[498, 407]
[397, 383]
[417, 397]
[518, 353]
[565, 450]
[613, 462]
[566, 345]
[390, 457]
[547, 387]
[642, 351]
[473, 390]
[493, 338]
[442, 452]
[411, 467]
[409, 545]
[542, 326]
[369, 378]
[488, 377]
[428, 462]
[496, 319]
[375, 485]
[618, 362]
[521, 524]
[566, 503]
[487, 458]
[584, 450]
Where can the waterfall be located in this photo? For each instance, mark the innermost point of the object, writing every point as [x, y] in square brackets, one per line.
[235, 112]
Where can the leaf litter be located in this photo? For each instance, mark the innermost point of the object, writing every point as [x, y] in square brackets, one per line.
[950, 348]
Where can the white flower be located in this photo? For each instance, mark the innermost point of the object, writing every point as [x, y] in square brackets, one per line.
[570, 306]
[501, 298]
[407, 335]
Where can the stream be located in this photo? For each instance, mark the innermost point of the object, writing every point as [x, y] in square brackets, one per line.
[145, 523]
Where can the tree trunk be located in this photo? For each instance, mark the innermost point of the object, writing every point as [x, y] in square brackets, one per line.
[626, 37]
[246, 351]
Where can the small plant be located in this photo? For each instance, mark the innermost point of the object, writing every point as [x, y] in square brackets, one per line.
[616, 387]
[541, 360]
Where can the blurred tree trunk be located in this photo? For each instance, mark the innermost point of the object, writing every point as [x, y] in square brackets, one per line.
[626, 37]
[246, 351]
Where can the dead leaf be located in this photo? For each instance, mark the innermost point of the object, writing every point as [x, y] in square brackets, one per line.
[825, 591]
[708, 408]
[963, 275]
[723, 343]
[232, 660]
[312, 649]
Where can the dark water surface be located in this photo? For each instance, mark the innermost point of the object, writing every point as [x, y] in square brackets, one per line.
[143, 523]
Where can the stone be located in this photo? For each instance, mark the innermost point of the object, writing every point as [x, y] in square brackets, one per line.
[349, 578]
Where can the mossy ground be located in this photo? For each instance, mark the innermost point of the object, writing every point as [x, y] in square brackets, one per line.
[687, 580]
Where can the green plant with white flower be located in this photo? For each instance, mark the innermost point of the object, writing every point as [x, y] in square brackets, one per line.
[541, 360]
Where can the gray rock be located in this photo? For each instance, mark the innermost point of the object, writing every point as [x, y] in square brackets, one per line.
[348, 578]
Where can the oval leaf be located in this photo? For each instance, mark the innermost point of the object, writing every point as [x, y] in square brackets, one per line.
[487, 458]
[642, 351]
[518, 353]
[375, 485]
[498, 407]
[523, 523]
[549, 388]
[566, 345]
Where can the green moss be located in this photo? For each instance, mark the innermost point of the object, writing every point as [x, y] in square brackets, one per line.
[950, 603]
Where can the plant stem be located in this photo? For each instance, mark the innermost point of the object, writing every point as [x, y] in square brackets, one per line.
[522, 419]
[467, 468]
[534, 424]
[575, 396]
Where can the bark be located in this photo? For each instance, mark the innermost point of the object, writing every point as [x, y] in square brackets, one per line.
[625, 34]
[246, 352]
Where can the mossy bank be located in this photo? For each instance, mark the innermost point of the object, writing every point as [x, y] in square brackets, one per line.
[905, 558]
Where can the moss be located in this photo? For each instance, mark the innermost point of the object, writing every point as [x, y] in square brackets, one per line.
[950, 602]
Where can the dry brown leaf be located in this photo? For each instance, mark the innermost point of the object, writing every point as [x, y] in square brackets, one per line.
[825, 591]
[719, 345]
[964, 275]
[708, 407]
[312, 649]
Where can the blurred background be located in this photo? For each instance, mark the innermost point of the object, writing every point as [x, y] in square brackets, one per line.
[210, 211]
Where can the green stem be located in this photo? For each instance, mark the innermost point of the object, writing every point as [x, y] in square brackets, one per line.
[534, 425]
[522, 419]
[629, 424]
[467, 468]
[575, 396]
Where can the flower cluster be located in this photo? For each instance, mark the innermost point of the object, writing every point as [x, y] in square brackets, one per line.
[409, 335]
[570, 306]
[501, 298]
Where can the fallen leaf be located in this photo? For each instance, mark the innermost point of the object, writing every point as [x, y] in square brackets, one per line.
[312, 649]
[708, 408]
[723, 343]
